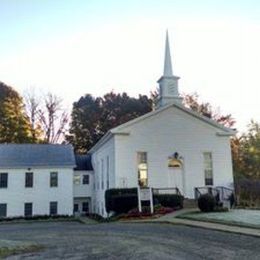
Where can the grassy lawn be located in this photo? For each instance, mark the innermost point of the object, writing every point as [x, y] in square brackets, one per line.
[237, 217]
[7, 251]
[14, 220]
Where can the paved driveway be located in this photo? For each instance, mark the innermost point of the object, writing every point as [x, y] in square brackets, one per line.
[71, 240]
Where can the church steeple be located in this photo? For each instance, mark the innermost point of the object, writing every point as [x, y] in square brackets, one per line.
[167, 72]
[168, 83]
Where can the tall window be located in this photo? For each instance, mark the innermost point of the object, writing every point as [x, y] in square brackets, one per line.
[3, 180]
[107, 172]
[102, 174]
[28, 209]
[142, 169]
[97, 175]
[54, 179]
[53, 208]
[3, 209]
[29, 179]
[76, 179]
[208, 168]
[85, 179]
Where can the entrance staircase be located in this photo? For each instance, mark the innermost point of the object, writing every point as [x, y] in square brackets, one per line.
[189, 204]
[223, 195]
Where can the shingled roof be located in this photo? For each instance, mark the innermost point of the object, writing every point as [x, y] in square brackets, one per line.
[36, 155]
[83, 162]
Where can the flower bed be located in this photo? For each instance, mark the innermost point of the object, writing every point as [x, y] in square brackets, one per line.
[146, 213]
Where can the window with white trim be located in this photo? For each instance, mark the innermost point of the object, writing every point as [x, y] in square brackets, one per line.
[142, 169]
[28, 179]
[102, 174]
[208, 168]
[53, 208]
[53, 179]
[4, 180]
[28, 209]
[107, 172]
[76, 179]
[85, 179]
[3, 209]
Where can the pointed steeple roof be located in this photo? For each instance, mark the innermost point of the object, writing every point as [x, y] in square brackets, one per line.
[168, 83]
[167, 59]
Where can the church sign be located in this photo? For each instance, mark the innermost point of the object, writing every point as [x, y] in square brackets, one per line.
[145, 194]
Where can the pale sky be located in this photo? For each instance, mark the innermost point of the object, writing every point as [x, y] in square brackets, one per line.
[92, 46]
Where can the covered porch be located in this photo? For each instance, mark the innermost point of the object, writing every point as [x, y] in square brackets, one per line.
[81, 206]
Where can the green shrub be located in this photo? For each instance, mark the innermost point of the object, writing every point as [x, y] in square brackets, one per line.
[169, 200]
[206, 203]
[121, 200]
[124, 203]
[36, 217]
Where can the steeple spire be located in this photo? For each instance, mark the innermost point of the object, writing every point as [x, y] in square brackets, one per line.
[167, 58]
[168, 83]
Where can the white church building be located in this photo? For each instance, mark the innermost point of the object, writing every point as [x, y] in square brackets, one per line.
[170, 147]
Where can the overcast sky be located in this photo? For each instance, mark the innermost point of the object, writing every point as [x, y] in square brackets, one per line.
[92, 46]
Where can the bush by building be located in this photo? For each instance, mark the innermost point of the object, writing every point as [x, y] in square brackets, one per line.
[124, 200]
[207, 202]
[169, 200]
[121, 200]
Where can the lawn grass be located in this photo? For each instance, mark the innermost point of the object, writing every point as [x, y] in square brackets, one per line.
[8, 251]
[221, 218]
[29, 221]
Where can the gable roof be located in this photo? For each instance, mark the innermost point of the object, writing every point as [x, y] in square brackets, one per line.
[184, 109]
[36, 155]
[83, 162]
[224, 131]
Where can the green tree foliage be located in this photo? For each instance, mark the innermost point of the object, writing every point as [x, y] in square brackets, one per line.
[92, 117]
[14, 124]
[247, 153]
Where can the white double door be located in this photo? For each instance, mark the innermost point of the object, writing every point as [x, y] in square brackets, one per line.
[176, 179]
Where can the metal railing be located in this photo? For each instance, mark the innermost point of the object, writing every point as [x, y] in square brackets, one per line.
[173, 190]
[224, 193]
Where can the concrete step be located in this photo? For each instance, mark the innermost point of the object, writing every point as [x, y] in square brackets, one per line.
[189, 203]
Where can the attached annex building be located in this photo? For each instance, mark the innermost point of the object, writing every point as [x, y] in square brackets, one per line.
[43, 179]
[171, 146]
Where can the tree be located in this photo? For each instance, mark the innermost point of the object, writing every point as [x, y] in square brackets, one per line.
[32, 109]
[191, 101]
[14, 123]
[92, 117]
[120, 108]
[248, 152]
[48, 119]
[246, 157]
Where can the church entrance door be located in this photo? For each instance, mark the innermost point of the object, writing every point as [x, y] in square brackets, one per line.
[178, 178]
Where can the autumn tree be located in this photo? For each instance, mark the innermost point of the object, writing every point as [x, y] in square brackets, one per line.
[14, 123]
[204, 108]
